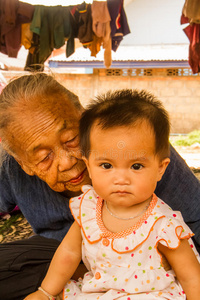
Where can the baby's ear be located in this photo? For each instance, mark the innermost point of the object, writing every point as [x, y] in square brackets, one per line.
[162, 167]
[87, 164]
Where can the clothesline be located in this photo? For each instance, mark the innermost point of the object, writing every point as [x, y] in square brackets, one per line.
[44, 28]
[57, 2]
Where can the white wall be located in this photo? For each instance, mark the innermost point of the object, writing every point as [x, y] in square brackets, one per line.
[154, 22]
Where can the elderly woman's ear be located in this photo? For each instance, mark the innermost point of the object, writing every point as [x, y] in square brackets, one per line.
[26, 168]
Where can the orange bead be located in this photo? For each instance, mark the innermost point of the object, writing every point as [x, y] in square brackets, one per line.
[97, 275]
[106, 242]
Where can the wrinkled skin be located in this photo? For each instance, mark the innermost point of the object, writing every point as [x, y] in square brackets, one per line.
[47, 145]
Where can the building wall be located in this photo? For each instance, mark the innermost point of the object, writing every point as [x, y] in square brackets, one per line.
[154, 22]
[179, 94]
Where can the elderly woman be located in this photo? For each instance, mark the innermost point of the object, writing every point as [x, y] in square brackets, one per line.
[43, 168]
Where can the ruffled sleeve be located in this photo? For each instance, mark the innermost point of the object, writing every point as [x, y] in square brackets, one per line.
[83, 209]
[75, 203]
[172, 230]
[90, 205]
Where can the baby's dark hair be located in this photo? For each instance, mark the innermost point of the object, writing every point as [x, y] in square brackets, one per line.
[126, 108]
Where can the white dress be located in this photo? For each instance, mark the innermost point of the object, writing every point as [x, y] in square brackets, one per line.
[126, 265]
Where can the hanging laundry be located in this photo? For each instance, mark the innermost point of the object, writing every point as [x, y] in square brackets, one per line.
[191, 10]
[82, 25]
[70, 29]
[13, 13]
[100, 17]
[119, 24]
[41, 29]
[102, 31]
[51, 27]
[193, 33]
[191, 16]
[47, 23]
[95, 45]
[26, 35]
[83, 18]
[33, 57]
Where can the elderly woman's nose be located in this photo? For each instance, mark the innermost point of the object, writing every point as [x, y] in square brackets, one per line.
[65, 161]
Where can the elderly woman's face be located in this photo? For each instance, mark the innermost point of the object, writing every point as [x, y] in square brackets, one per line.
[51, 149]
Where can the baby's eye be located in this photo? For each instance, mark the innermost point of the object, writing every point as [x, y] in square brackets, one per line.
[136, 166]
[106, 166]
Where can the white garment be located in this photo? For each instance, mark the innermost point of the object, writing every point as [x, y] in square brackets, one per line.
[126, 265]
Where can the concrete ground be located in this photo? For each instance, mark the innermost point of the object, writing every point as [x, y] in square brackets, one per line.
[192, 157]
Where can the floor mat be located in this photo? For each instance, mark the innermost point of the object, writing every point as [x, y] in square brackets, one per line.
[14, 227]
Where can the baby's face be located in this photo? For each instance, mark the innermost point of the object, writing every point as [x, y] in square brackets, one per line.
[122, 164]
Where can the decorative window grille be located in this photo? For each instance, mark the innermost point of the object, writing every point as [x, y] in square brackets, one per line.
[146, 72]
[171, 72]
[114, 72]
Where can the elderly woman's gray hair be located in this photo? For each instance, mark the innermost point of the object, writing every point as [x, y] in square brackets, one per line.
[29, 93]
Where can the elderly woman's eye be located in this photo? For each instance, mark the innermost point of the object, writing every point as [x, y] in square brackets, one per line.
[47, 158]
[73, 142]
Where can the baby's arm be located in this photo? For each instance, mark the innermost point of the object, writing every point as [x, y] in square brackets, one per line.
[63, 265]
[185, 266]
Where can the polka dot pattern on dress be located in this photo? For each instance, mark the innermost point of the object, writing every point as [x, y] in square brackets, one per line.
[128, 260]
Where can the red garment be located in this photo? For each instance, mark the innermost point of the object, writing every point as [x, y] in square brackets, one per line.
[193, 33]
[191, 10]
[13, 13]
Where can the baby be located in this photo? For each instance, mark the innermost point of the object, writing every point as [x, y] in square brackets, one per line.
[122, 230]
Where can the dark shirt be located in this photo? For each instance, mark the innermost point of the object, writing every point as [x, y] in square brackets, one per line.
[48, 211]
[180, 189]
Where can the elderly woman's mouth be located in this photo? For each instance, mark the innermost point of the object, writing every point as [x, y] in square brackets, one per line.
[78, 178]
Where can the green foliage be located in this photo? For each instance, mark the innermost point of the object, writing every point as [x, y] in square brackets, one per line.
[188, 140]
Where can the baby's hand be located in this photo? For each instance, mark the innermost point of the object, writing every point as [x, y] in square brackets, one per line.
[37, 296]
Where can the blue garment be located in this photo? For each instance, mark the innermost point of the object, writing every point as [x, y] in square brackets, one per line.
[49, 214]
[119, 23]
[180, 189]
[47, 211]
